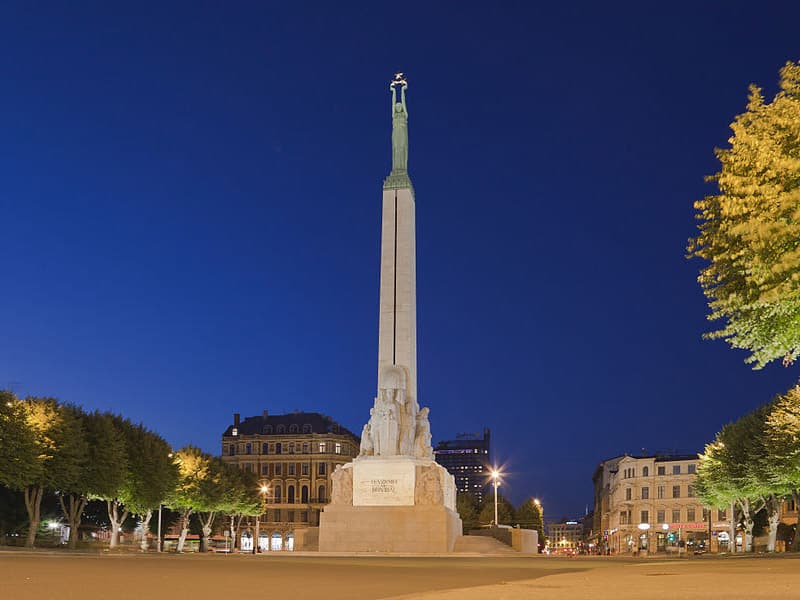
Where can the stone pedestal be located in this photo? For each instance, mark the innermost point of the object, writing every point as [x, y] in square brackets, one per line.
[390, 504]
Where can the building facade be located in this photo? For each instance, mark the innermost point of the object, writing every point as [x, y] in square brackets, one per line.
[294, 455]
[564, 535]
[468, 459]
[647, 504]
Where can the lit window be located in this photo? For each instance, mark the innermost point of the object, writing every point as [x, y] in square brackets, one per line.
[322, 447]
[338, 448]
[234, 431]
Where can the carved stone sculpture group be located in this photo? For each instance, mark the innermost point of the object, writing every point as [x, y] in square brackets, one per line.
[397, 426]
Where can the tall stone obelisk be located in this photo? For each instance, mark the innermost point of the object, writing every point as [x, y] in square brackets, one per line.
[394, 497]
[397, 330]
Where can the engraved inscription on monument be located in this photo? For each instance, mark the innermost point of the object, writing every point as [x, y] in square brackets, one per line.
[383, 483]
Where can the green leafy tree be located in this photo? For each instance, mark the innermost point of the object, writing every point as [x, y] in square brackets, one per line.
[246, 500]
[735, 468]
[61, 452]
[467, 507]
[101, 468]
[529, 516]
[505, 511]
[194, 467]
[107, 467]
[152, 474]
[19, 455]
[750, 229]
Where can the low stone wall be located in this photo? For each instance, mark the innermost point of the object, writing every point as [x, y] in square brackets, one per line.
[501, 534]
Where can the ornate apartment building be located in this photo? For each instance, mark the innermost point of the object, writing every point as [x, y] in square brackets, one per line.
[647, 503]
[294, 455]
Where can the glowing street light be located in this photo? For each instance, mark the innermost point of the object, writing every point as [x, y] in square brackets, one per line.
[495, 476]
[263, 489]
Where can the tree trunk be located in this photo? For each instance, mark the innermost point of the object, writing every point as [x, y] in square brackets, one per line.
[72, 509]
[206, 524]
[235, 529]
[796, 538]
[33, 504]
[145, 530]
[184, 528]
[747, 523]
[116, 521]
[774, 517]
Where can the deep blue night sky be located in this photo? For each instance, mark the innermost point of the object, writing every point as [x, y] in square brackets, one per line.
[190, 204]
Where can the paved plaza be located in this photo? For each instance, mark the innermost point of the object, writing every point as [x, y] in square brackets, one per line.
[63, 576]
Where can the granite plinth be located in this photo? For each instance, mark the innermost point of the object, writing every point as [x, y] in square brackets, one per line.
[415, 529]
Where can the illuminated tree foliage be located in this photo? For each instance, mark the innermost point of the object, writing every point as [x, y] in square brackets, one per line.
[467, 507]
[529, 516]
[750, 230]
[737, 468]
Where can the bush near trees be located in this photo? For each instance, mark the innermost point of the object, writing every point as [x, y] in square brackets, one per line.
[754, 464]
[749, 232]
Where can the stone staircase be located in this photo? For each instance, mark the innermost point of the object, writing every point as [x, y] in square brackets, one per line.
[478, 544]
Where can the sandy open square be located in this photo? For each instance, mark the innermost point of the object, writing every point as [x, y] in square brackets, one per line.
[63, 576]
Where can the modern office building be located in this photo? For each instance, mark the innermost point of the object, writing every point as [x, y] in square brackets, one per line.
[468, 459]
[294, 455]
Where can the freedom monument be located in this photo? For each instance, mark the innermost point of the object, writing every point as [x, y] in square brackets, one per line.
[394, 497]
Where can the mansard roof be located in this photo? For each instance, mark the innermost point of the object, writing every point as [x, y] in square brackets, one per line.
[290, 424]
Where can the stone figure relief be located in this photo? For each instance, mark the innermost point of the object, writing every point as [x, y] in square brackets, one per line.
[367, 448]
[422, 438]
[342, 488]
[428, 489]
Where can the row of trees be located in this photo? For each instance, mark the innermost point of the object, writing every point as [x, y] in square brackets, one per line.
[527, 515]
[51, 447]
[754, 463]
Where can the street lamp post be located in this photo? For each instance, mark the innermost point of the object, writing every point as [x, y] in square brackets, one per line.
[263, 492]
[495, 475]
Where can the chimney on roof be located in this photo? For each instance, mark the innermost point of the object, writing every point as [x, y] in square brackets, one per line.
[265, 414]
[236, 419]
